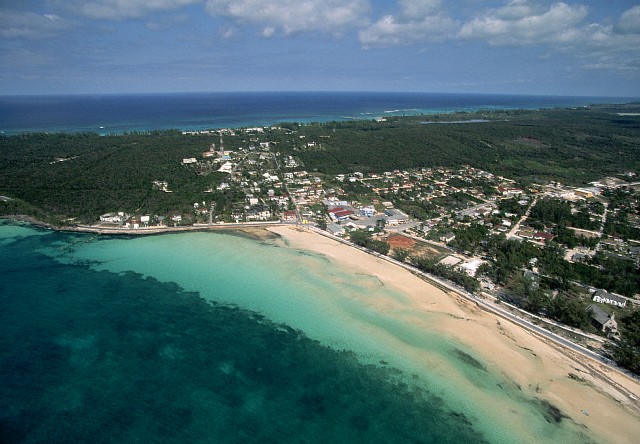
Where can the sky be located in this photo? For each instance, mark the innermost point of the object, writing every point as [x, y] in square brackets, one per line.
[577, 48]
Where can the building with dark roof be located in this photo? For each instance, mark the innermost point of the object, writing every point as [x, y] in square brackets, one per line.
[601, 320]
[603, 297]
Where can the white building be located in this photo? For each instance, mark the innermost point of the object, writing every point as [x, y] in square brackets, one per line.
[227, 167]
[369, 211]
[604, 297]
[112, 218]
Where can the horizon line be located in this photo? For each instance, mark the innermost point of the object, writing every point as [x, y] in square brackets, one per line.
[98, 94]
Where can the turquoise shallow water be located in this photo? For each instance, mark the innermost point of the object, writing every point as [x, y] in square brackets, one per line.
[205, 337]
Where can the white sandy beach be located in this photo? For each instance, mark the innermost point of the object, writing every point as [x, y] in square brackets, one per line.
[540, 368]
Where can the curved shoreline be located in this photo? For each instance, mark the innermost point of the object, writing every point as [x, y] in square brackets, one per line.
[144, 231]
[542, 368]
[545, 370]
[258, 229]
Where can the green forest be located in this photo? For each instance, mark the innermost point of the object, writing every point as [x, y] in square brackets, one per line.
[53, 176]
[573, 146]
[60, 176]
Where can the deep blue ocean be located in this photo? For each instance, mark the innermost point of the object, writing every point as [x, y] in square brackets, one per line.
[196, 111]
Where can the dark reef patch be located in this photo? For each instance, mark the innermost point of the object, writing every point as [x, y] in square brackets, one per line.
[551, 413]
[469, 360]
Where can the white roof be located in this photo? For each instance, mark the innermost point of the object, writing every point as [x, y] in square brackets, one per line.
[472, 266]
[450, 260]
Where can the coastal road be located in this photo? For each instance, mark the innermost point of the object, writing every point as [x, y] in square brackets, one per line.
[488, 306]
[166, 229]
[537, 329]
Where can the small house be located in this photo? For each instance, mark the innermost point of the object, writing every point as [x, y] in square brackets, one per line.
[602, 321]
[289, 216]
[447, 237]
[111, 218]
[368, 211]
[541, 236]
[335, 229]
[604, 297]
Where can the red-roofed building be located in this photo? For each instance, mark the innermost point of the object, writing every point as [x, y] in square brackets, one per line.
[343, 215]
[289, 215]
[542, 236]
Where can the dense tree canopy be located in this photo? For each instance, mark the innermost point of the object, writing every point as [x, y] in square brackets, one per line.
[84, 175]
[574, 146]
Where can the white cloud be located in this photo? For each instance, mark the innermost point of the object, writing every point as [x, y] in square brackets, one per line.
[292, 16]
[389, 31]
[520, 24]
[119, 9]
[515, 10]
[601, 47]
[556, 26]
[14, 24]
[227, 32]
[268, 31]
[562, 28]
[418, 9]
[630, 21]
[418, 21]
[612, 64]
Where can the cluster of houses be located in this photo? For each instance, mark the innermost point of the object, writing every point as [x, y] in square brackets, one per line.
[122, 219]
[276, 187]
[361, 216]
